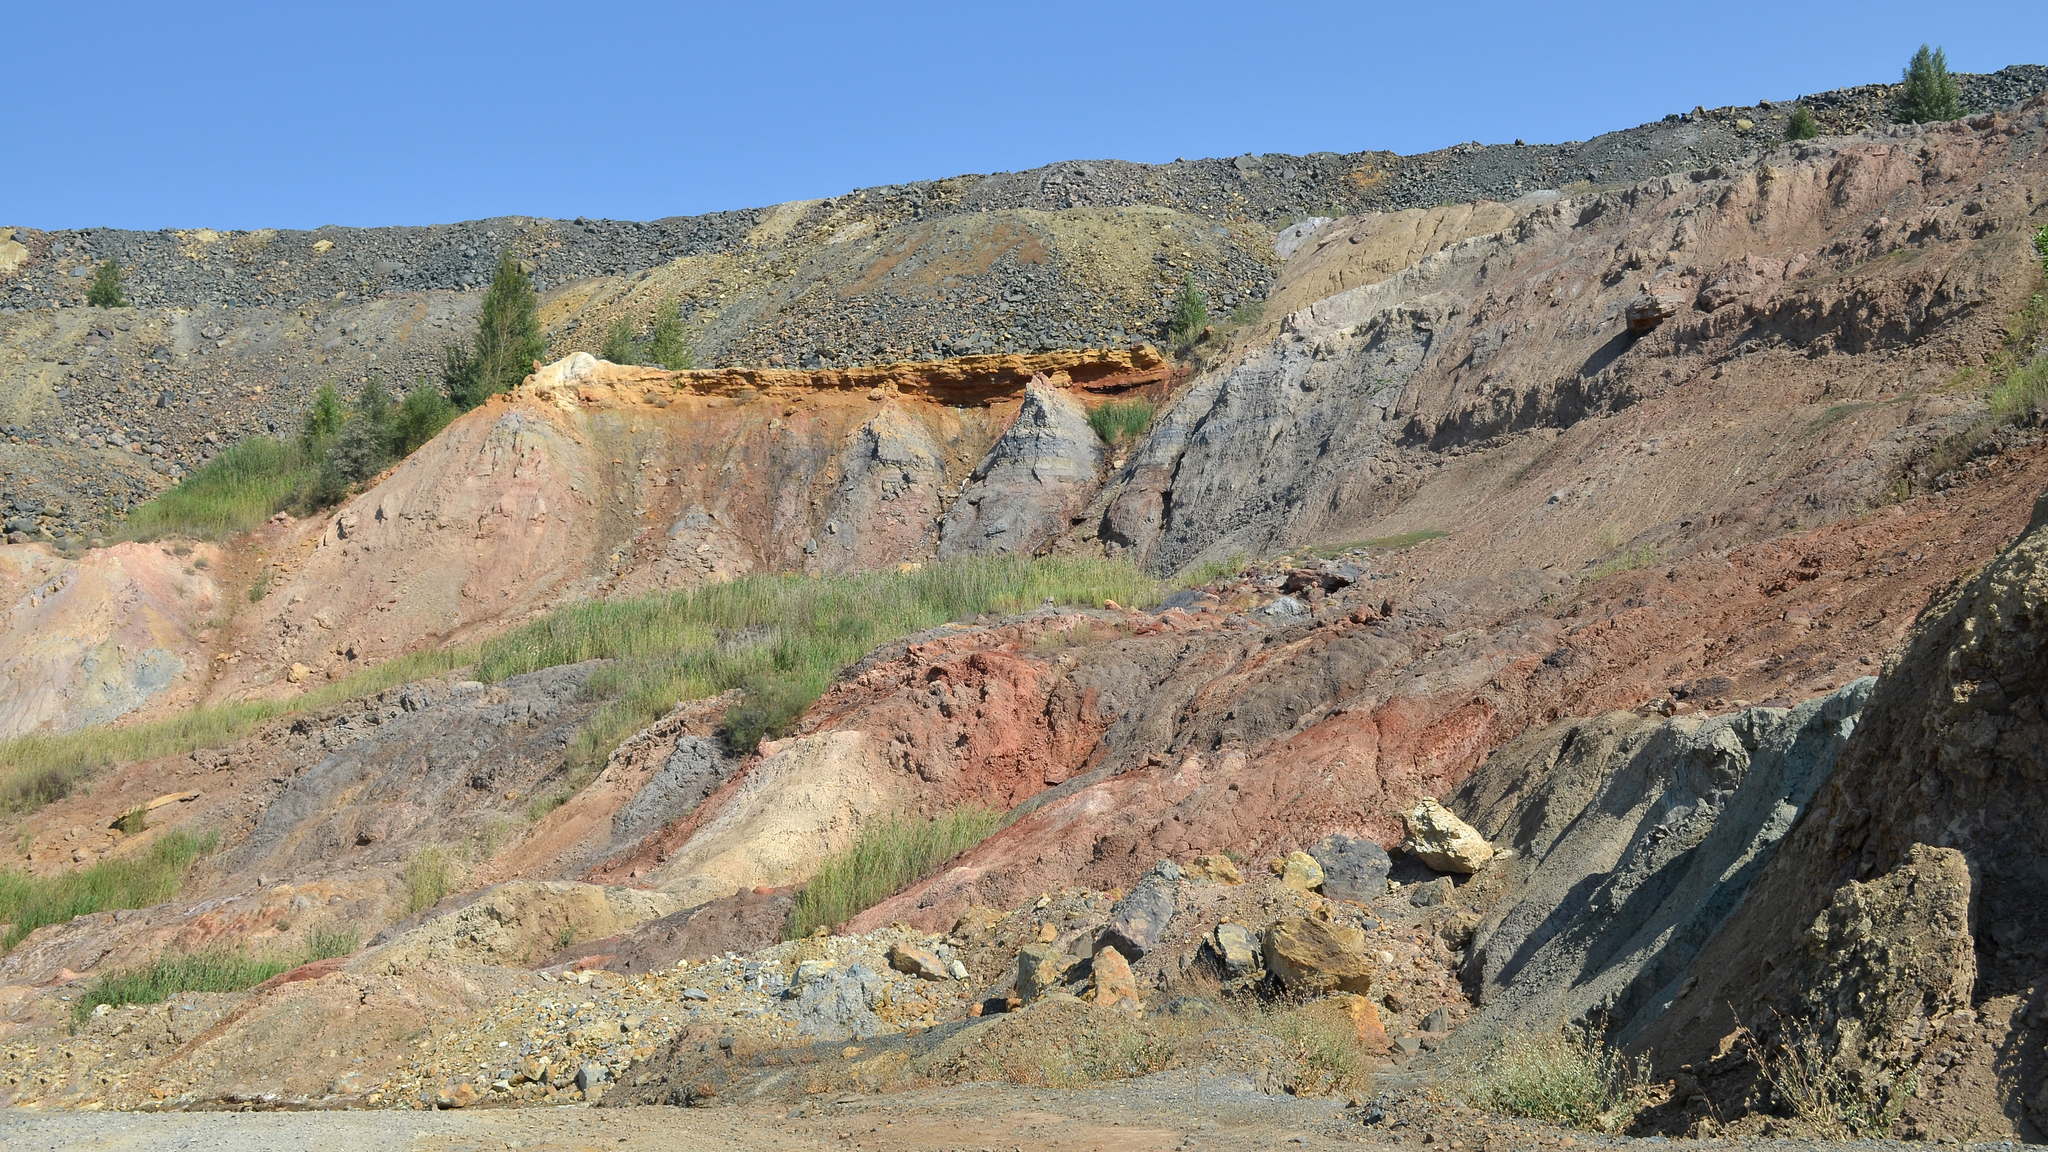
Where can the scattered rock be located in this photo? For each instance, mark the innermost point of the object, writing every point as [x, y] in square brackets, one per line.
[455, 1096]
[1111, 983]
[1140, 919]
[1216, 868]
[1038, 971]
[1299, 871]
[1237, 947]
[1432, 893]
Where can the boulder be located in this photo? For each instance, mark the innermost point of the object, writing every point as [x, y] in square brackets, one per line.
[1140, 919]
[1353, 868]
[1319, 953]
[1300, 872]
[1038, 971]
[1443, 841]
[1111, 983]
[1216, 868]
[1650, 309]
[1041, 471]
[1237, 947]
[922, 963]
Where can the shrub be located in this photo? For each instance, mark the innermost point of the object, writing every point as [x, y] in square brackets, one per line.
[664, 346]
[429, 878]
[359, 451]
[106, 287]
[208, 970]
[420, 417]
[1119, 420]
[1801, 125]
[887, 856]
[508, 340]
[1828, 1100]
[1190, 317]
[151, 877]
[1929, 93]
[619, 343]
[1565, 1077]
[323, 421]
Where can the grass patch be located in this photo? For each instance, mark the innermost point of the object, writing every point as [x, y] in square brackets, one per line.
[210, 970]
[1118, 421]
[237, 490]
[429, 878]
[1210, 571]
[781, 638]
[1562, 1077]
[887, 857]
[1385, 543]
[29, 902]
[1627, 561]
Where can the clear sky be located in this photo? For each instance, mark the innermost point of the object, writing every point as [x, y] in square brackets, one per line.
[302, 113]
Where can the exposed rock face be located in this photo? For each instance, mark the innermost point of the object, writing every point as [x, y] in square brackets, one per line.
[1633, 839]
[1929, 833]
[1335, 429]
[434, 769]
[90, 640]
[1444, 842]
[1041, 472]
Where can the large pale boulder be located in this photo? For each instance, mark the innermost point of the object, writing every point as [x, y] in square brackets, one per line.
[1444, 842]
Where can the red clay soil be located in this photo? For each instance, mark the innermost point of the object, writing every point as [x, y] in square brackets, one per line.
[1770, 623]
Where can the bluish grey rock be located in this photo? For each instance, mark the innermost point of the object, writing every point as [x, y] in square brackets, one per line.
[1353, 868]
[1139, 920]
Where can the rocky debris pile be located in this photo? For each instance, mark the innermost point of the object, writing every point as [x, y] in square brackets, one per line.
[575, 1032]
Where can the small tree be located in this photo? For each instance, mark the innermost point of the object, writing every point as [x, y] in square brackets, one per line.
[363, 447]
[323, 421]
[1801, 125]
[508, 340]
[619, 345]
[1929, 92]
[666, 345]
[1190, 316]
[106, 287]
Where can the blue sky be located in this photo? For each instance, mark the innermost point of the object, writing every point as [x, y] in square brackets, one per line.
[302, 114]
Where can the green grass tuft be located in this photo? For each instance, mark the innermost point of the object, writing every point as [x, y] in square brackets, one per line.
[233, 492]
[1117, 421]
[429, 878]
[1562, 1077]
[29, 902]
[887, 857]
[208, 970]
[1627, 561]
